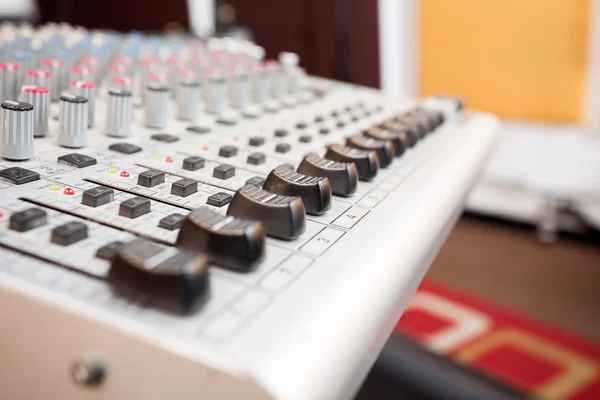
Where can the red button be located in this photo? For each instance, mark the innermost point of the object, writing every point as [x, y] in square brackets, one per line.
[69, 192]
[168, 159]
[124, 174]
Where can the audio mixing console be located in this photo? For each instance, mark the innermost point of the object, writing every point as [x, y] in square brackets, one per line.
[180, 218]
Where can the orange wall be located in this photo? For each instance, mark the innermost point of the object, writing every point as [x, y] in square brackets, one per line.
[515, 58]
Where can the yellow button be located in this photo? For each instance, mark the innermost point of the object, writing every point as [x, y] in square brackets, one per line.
[111, 170]
[55, 187]
[157, 156]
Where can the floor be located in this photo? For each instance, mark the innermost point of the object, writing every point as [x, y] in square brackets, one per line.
[556, 283]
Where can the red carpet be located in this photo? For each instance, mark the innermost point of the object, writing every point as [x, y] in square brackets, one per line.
[515, 349]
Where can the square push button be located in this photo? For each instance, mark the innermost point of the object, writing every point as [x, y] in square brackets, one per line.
[69, 233]
[97, 196]
[151, 178]
[193, 163]
[18, 175]
[184, 187]
[77, 160]
[134, 207]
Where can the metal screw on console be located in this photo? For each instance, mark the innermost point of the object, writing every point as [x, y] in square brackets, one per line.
[88, 372]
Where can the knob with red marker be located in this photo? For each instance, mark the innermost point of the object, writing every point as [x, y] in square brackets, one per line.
[88, 90]
[38, 97]
[8, 80]
[79, 72]
[38, 77]
[57, 74]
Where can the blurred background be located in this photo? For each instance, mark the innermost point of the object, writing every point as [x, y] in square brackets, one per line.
[511, 306]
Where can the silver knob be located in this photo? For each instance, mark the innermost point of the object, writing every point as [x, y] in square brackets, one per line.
[274, 73]
[292, 73]
[157, 102]
[188, 97]
[123, 82]
[118, 120]
[8, 80]
[217, 93]
[57, 74]
[88, 90]
[73, 121]
[79, 72]
[26, 61]
[17, 130]
[259, 84]
[38, 77]
[240, 89]
[39, 97]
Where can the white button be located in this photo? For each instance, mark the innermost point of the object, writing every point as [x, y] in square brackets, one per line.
[349, 218]
[322, 241]
[286, 272]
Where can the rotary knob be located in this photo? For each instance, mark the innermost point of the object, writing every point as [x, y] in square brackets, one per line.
[17, 130]
[38, 77]
[157, 101]
[57, 72]
[8, 80]
[188, 96]
[118, 120]
[88, 90]
[217, 93]
[73, 121]
[38, 96]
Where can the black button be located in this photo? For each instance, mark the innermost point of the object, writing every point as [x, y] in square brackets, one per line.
[125, 148]
[77, 160]
[228, 151]
[281, 132]
[193, 163]
[255, 180]
[164, 138]
[282, 216]
[224, 120]
[69, 233]
[108, 252]
[256, 141]
[184, 187]
[324, 131]
[223, 171]
[97, 196]
[28, 219]
[301, 125]
[256, 158]
[315, 191]
[151, 178]
[305, 139]
[343, 176]
[171, 222]
[340, 124]
[18, 175]
[197, 129]
[334, 113]
[319, 118]
[134, 207]
[219, 199]
[177, 282]
[230, 242]
[283, 147]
